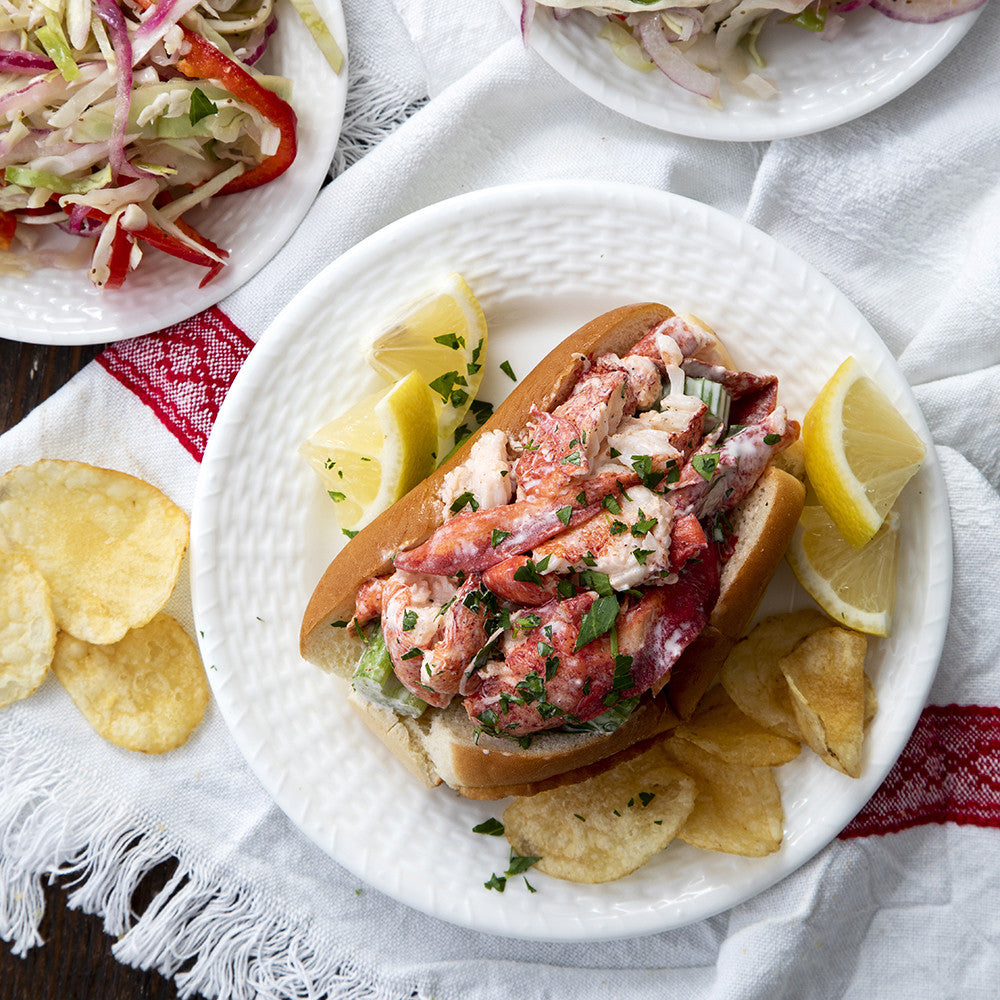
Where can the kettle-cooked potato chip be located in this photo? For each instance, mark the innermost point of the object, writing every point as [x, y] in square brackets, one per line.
[721, 729]
[145, 692]
[109, 545]
[605, 827]
[752, 677]
[826, 678]
[737, 809]
[27, 627]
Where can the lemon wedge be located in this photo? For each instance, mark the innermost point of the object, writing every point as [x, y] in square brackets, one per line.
[856, 587]
[376, 451]
[442, 336]
[859, 452]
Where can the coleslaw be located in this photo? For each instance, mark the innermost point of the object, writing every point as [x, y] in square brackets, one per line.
[120, 116]
[700, 45]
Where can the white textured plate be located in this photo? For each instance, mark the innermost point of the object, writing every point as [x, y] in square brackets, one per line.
[820, 84]
[53, 306]
[542, 259]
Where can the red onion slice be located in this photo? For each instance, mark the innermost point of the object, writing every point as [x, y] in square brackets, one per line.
[527, 16]
[110, 13]
[27, 63]
[925, 11]
[672, 61]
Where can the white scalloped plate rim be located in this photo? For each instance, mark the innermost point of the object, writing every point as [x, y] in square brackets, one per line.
[62, 308]
[261, 536]
[820, 84]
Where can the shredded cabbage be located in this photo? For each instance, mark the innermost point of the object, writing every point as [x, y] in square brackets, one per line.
[97, 124]
[698, 44]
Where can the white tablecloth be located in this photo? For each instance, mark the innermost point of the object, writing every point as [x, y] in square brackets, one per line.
[901, 210]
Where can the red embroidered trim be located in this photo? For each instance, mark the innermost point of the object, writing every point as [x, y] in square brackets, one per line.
[183, 372]
[949, 772]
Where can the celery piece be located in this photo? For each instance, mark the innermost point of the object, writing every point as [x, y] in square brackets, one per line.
[375, 680]
[714, 395]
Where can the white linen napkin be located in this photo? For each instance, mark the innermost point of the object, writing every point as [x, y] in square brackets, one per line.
[901, 210]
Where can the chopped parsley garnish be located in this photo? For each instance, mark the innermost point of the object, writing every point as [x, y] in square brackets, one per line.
[508, 371]
[594, 580]
[201, 107]
[525, 623]
[451, 340]
[481, 410]
[409, 620]
[498, 536]
[772, 438]
[492, 827]
[641, 555]
[573, 458]
[566, 589]
[336, 496]
[349, 532]
[597, 621]
[610, 504]
[519, 864]
[705, 465]
[644, 525]
[646, 797]
[497, 882]
[621, 681]
[466, 499]
[531, 572]
[565, 513]
[444, 385]
[643, 465]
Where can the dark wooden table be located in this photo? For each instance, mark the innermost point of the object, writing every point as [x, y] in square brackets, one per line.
[75, 963]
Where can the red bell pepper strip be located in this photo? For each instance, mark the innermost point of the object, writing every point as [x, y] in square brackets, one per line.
[166, 242]
[121, 252]
[205, 61]
[8, 223]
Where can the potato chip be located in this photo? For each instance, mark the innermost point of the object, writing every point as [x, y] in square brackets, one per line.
[737, 809]
[871, 700]
[27, 627]
[752, 677]
[721, 729]
[825, 674]
[109, 545]
[605, 827]
[145, 692]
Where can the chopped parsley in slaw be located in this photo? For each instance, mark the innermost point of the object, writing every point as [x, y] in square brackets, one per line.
[118, 118]
[698, 45]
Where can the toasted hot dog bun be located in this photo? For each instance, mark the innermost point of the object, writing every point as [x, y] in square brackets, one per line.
[443, 745]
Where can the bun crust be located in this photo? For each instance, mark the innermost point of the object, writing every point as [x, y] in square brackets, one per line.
[442, 745]
[764, 524]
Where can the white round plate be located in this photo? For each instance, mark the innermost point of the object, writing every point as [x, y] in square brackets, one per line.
[53, 306]
[542, 259]
[820, 84]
